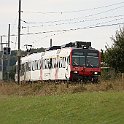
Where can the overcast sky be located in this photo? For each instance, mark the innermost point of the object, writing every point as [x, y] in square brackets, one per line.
[62, 20]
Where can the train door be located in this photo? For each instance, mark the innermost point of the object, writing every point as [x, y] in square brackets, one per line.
[67, 68]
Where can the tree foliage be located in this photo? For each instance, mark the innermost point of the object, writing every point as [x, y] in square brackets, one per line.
[114, 56]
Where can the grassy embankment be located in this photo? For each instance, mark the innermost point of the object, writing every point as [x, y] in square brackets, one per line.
[79, 104]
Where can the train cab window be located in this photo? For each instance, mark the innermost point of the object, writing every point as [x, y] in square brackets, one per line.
[92, 59]
[38, 64]
[78, 60]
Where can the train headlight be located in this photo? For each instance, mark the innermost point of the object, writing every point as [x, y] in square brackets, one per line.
[75, 72]
[95, 72]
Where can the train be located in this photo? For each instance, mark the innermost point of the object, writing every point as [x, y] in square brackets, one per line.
[74, 61]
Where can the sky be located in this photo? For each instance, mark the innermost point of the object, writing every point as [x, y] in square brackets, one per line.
[63, 21]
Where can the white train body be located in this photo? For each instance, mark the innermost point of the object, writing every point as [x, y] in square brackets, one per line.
[48, 65]
[74, 63]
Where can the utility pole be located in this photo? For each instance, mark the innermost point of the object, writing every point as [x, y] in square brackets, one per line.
[19, 50]
[50, 42]
[5, 51]
[8, 54]
[9, 36]
[1, 59]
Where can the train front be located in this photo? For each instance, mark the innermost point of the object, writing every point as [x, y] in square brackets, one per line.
[85, 64]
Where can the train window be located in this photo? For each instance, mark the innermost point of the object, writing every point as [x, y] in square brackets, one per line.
[36, 65]
[92, 54]
[78, 53]
[61, 62]
[46, 63]
[26, 66]
[45, 66]
[29, 66]
[50, 63]
[55, 63]
[92, 61]
[33, 66]
[22, 69]
[65, 59]
[68, 60]
[41, 63]
[78, 60]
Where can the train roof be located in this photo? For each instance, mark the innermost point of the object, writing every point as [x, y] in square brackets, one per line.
[63, 50]
[34, 56]
[77, 44]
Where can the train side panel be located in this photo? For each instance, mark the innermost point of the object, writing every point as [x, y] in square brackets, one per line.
[55, 65]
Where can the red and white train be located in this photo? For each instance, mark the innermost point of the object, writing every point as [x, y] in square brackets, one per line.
[73, 61]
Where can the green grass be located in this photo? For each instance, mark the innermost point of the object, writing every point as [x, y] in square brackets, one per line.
[78, 108]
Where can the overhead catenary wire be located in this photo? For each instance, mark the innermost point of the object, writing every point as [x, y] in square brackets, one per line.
[81, 21]
[75, 11]
[72, 29]
[77, 18]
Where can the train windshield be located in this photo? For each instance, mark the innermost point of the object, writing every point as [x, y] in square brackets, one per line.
[92, 59]
[78, 59]
[85, 58]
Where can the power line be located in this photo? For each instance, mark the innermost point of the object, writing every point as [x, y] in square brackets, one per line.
[73, 29]
[81, 21]
[61, 12]
[90, 15]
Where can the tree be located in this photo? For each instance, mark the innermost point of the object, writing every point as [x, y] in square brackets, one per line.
[114, 56]
[102, 55]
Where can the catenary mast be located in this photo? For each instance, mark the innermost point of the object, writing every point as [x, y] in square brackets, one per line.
[19, 50]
